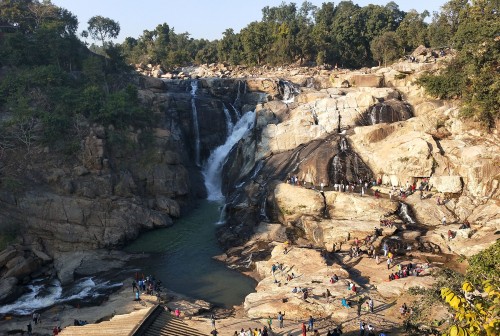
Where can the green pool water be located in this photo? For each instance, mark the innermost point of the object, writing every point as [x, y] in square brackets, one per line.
[181, 256]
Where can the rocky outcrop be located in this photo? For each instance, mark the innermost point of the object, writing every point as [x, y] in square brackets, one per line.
[311, 272]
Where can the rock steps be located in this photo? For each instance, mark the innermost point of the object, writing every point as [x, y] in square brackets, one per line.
[166, 325]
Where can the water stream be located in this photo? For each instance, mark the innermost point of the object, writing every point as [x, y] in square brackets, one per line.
[196, 127]
[212, 169]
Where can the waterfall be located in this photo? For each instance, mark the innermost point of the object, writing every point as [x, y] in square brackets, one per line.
[404, 213]
[337, 166]
[237, 101]
[236, 112]
[196, 128]
[212, 169]
[373, 115]
[229, 121]
[289, 91]
[343, 144]
[222, 216]
[263, 214]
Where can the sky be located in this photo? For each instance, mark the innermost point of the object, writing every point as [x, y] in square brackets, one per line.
[206, 19]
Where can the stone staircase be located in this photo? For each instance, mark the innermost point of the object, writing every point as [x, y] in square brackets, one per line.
[155, 321]
[161, 323]
[119, 325]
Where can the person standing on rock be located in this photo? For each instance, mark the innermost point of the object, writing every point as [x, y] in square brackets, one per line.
[310, 325]
[212, 321]
[361, 328]
[370, 305]
[443, 220]
[304, 329]
[281, 318]
[30, 329]
[270, 321]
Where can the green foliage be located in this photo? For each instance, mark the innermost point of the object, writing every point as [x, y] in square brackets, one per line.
[44, 96]
[449, 84]
[485, 265]
[474, 75]
[385, 48]
[103, 28]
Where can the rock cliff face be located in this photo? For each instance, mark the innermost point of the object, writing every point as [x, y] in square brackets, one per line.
[104, 196]
[389, 132]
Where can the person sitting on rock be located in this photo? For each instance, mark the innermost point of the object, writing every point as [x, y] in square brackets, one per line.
[346, 303]
[465, 225]
[450, 235]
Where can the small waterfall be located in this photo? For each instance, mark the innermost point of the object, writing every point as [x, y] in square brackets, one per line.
[289, 91]
[222, 216]
[236, 112]
[263, 214]
[404, 213]
[229, 121]
[337, 167]
[257, 169]
[310, 82]
[343, 144]
[43, 295]
[237, 100]
[373, 115]
[196, 127]
[213, 167]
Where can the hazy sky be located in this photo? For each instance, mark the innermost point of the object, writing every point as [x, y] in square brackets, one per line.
[201, 18]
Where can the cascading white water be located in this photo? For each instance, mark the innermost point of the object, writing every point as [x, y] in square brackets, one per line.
[404, 213]
[289, 92]
[236, 112]
[337, 166]
[213, 167]
[196, 128]
[229, 122]
[40, 296]
[373, 115]
[237, 101]
[343, 145]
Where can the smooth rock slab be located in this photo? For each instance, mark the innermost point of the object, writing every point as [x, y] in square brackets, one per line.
[447, 184]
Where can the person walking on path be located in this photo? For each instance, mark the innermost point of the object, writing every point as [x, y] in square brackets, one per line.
[270, 322]
[212, 321]
[304, 329]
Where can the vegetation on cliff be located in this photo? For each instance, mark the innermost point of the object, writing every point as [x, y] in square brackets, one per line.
[474, 74]
[348, 35]
[473, 299]
[52, 87]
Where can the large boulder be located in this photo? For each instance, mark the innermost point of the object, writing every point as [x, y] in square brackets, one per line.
[293, 201]
[367, 80]
[9, 289]
[447, 184]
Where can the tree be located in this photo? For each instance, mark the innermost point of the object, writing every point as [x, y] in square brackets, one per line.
[477, 304]
[412, 31]
[385, 48]
[101, 28]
